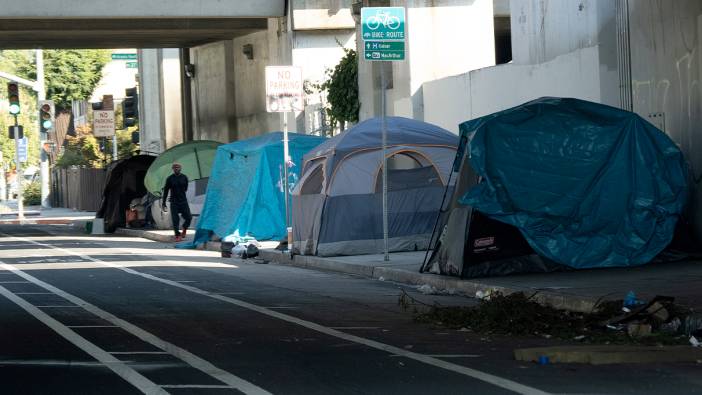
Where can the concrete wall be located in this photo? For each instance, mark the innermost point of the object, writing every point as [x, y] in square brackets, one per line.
[171, 93]
[443, 38]
[140, 8]
[150, 119]
[213, 92]
[666, 43]
[229, 88]
[453, 100]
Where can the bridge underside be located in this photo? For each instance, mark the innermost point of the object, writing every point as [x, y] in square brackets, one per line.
[123, 32]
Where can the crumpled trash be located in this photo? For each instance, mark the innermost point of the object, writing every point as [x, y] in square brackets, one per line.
[631, 300]
[245, 250]
[671, 327]
[693, 325]
[427, 289]
[694, 342]
[484, 295]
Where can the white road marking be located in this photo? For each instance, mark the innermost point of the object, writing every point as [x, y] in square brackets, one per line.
[121, 369]
[182, 354]
[466, 371]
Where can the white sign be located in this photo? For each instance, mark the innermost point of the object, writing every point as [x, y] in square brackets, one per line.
[103, 123]
[22, 149]
[284, 89]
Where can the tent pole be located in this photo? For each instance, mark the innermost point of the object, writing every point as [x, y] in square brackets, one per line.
[385, 163]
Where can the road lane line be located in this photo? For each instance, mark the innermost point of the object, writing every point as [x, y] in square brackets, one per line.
[180, 353]
[121, 369]
[466, 371]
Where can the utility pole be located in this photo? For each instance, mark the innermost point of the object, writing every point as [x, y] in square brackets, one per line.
[44, 158]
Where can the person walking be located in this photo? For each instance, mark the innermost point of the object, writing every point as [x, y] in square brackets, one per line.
[177, 185]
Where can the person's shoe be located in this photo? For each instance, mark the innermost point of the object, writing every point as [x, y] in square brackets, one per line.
[185, 230]
[178, 238]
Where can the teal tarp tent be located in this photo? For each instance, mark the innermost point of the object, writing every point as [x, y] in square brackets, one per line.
[245, 193]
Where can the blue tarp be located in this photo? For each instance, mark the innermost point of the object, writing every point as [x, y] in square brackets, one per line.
[245, 193]
[588, 185]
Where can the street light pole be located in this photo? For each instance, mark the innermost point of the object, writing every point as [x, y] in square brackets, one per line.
[44, 158]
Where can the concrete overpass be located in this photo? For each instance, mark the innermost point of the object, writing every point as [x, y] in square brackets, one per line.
[130, 23]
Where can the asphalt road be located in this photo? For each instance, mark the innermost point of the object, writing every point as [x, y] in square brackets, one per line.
[114, 315]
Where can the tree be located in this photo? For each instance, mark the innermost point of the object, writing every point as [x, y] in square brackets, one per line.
[69, 74]
[342, 90]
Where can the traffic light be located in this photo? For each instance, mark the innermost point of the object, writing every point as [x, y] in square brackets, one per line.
[13, 97]
[46, 117]
[130, 107]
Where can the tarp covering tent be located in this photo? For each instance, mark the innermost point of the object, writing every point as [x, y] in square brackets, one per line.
[125, 181]
[196, 158]
[337, 205]
[562, 183]
[245, 192]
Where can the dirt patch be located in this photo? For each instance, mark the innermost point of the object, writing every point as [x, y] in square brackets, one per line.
[519, 315]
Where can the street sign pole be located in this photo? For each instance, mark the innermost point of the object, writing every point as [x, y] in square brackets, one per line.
[284, 94]
[383, 34]
[383, 131]
[286, 158]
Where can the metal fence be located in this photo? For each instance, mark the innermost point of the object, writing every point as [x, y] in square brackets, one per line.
[78, 188]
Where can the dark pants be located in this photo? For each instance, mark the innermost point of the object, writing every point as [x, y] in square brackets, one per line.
[182, 209]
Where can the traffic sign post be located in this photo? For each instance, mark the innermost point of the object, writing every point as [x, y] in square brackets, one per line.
[283, 95]
[383, 33]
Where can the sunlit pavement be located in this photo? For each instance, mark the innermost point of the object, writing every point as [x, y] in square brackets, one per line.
[116, 315]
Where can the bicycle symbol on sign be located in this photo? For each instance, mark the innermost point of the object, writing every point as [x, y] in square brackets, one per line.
[383, 18]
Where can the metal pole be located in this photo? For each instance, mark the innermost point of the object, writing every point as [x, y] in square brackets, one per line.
[286, 158]
[385, 163]
[114, 147]
[19, 176]
[44, 158]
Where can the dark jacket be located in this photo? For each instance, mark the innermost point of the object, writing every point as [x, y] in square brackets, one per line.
[177, 185]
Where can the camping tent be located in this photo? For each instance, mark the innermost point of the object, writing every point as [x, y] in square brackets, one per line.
[125, 181]
[337, 205]
[245, 192]
[196, 158]
[563, 183]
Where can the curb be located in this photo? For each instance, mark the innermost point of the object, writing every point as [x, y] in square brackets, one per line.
[600, 355]
[47, 221]
[443, 283]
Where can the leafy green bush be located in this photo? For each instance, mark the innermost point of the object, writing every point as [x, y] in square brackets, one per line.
[31, 194]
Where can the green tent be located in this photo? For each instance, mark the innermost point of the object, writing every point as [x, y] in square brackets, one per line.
[196, 157]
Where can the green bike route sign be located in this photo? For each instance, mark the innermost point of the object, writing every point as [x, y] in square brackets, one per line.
[383, 33]
[384, 50]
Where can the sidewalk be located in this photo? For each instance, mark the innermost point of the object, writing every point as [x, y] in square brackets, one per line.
[46, 216]
[576, 290]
